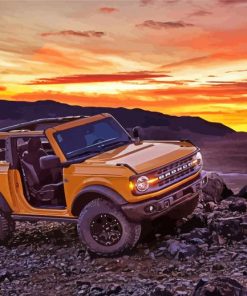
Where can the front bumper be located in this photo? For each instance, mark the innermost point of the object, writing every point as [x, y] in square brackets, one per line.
[164, 205]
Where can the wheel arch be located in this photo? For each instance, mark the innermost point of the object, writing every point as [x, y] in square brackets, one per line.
[92, 192]
[4, 206]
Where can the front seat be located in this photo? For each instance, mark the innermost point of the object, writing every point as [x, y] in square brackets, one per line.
[39, 181]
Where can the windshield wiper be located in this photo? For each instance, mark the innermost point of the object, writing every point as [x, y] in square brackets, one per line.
[117, 143]
[83, 150]
[84, 153]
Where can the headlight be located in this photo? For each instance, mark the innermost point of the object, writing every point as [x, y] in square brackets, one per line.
[198, 157]
[142, 183]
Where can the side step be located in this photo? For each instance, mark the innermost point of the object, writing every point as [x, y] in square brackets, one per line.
[42, 218]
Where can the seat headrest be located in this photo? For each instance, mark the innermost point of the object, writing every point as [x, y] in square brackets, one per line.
[34, 144]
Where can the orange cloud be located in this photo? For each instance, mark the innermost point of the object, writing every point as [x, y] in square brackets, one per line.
[57, 57]
[108, 10]
[177, 97]
[54, 56]
[92, 78]
[3, 88]
[206, 60]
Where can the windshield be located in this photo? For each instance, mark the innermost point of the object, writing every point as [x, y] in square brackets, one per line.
[91, 138]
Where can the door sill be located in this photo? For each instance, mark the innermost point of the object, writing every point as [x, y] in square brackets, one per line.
[18, 217]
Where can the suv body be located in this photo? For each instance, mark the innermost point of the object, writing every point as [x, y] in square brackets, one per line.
[90, 171]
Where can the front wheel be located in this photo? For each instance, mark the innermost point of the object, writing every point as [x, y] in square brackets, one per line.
[105, 230]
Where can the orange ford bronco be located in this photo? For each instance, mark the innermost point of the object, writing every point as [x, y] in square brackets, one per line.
[90, 171]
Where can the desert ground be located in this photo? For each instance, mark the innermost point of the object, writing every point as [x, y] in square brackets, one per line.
[227, 157]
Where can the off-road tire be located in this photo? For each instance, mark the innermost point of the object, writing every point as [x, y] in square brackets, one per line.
[7, 227]
[130, 231]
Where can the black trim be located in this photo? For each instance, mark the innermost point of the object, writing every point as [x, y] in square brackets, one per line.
[32, 125]
[4, 205]
[89, 193]
[17, 217]
[127, 166]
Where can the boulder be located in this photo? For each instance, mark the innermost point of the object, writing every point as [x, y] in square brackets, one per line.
[243, 192]
[216, 189]
[231, 228]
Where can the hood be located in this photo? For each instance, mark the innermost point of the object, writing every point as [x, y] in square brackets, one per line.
[145, 156]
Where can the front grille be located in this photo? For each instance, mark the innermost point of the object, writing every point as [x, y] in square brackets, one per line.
[176, 171]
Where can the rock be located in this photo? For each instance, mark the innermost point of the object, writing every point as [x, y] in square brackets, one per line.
[161, 290]
[243, 192]
[210, 206]
[196, 220]
[202, 233]
[230, 228]
[180, 250]
[114, 289]
[218, 266]
[216, 189]
[96, 290]
[220, 287]
[4, 274]
[238, 206]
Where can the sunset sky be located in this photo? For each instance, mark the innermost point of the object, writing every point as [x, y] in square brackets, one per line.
[179, 57]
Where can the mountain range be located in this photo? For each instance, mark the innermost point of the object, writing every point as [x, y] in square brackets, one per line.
[12, 112]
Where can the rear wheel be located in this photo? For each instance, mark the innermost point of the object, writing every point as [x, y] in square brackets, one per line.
[7, 227]
[105, 229]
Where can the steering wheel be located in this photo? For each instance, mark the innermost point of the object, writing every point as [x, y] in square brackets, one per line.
[98, 140]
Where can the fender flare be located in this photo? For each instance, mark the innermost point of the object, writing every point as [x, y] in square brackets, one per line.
[4, 205]
[91, 192]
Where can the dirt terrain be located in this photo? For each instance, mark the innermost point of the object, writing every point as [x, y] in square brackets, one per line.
[225, 154]
[207, 250]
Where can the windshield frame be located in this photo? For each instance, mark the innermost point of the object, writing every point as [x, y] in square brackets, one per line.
[96, 148]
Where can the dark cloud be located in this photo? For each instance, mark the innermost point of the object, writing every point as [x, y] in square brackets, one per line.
[108, 10]
[86, 34]
[229, 84]
[2, 88]
[163, 25]
[93, 78]
[169, 82]
[233, 1]
[150, 2]
[236, 71]
[200, 12]
[147, 2]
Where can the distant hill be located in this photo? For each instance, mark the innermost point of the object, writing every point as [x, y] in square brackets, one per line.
[163, 125]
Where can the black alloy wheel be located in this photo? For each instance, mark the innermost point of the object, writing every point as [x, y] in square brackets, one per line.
[106, 229]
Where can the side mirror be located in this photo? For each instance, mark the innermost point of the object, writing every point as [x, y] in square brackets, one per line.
[49, 162]
[136, 131]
